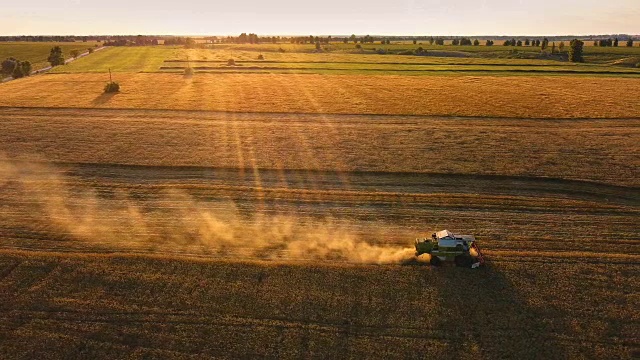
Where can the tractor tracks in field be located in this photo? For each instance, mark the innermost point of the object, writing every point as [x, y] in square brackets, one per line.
[345, 183]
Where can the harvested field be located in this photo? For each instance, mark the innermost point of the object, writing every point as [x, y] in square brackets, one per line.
[298, 246]
[305, 261]
[602, 151]
[518, 97]
[117, 306]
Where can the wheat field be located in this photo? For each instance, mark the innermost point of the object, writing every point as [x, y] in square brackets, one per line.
[518, 97]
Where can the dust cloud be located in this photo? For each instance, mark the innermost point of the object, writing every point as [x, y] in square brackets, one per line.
[174, 220]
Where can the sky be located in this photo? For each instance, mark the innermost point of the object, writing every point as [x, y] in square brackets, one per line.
[327, 17]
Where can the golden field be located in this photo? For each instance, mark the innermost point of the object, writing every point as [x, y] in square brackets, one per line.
[519, 97]
[600, 151]
[262, 215]
[180, 234]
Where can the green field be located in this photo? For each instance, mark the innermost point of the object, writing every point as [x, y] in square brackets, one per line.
[122, 59]
[37, 52]
[297, 59]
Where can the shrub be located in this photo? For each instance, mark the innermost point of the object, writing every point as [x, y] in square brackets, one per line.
[260, 57]
[358, 46]
[281, 50]
[74, 53]
[90, 50]
[231, 62]
[188, 71]
[112, 87]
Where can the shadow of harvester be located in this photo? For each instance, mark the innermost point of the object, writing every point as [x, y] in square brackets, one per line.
[490, 318]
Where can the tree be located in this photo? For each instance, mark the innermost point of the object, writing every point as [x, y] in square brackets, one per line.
[561, 46]
[630, 42]
[465, 42]
[615, 42]
[26, 68]
[90, 50]
[415, 42]
[55, 57]
[455, 42]
[545, 44]
[190, 43]
[553, 47]
[74, 53]
[519, 43]
[575, 51]
[476, 42]
[318, 47]
[526, 42]
[431, 40]
[537, 42]
[489, 43]
[353, 38]
[17, 72]
[8, 66]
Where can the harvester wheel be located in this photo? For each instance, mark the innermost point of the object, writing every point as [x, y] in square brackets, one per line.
[435, 261]
[463, 261]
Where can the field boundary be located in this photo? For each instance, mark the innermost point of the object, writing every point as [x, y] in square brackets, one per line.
[537, 71]
[323, 115]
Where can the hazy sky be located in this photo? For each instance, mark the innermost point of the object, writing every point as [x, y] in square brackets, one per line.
[399, 17]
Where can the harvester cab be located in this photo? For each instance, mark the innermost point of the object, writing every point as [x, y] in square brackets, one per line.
[445, 246]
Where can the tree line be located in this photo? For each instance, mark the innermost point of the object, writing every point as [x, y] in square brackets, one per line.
[612, 42]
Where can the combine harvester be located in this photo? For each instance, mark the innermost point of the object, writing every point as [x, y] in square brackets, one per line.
[445, 246]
